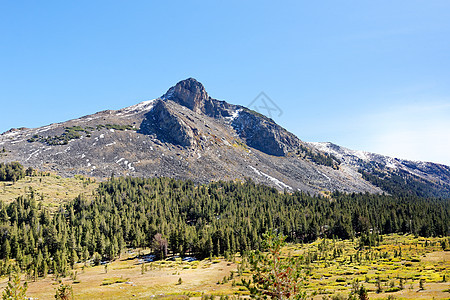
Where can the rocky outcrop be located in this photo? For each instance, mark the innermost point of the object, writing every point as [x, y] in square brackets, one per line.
[192, 94]
[189, 93]
[256, 130]
[264, 134]
[166, 126]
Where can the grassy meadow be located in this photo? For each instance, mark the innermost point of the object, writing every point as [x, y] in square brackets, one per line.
[54, 189]
[395, 268]
[400, 267]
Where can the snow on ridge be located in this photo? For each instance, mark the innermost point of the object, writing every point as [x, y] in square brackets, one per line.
[126, 163]
[234, 115]
[358, 153]
[137, 108]
[391, 163]
[15, 134]
[321, 146]
[273, 179]
[16, 141]
[328, 148]
[168, 95]
[45, 128]
[342, 152]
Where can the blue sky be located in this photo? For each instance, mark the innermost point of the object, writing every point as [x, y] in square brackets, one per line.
[368, 75]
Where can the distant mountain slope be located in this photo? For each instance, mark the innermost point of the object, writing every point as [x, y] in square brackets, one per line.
[393, 175]
[187, 134]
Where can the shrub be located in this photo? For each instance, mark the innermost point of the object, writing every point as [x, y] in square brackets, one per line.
[393, 289]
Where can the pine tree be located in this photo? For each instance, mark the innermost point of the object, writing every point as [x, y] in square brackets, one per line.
[64, 292]
[274, 276]
[14, 290]
[6, 250]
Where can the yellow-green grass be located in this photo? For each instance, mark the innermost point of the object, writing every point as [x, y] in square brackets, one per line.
[54, 189]
[418, 259]
[113, 280]
[125, 279]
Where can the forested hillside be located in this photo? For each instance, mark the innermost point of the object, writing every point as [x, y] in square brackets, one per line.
[400, 182]
[173, 216]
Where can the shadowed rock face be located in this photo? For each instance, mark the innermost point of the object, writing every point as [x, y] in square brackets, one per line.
[186, 134]
[167, 126]
[263, 134]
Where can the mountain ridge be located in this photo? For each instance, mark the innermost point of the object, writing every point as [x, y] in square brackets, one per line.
[187, 134]
[374, 167]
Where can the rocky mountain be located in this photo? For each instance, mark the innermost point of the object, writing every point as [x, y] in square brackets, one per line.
[187, 134]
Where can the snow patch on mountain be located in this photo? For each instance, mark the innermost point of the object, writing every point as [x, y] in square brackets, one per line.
[234, 115]
[34, 153]
[137, 108]
[341, 152]
[110, 144]
[274, 180]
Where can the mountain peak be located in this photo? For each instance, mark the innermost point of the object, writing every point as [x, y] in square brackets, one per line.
[189, 93]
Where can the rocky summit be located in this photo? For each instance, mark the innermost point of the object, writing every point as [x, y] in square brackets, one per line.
[187, 134]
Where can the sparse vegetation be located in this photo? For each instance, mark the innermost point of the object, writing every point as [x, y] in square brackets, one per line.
[319, 273]
[75, 132]
[70, 133]
[116, 127]
[324, 159]
[49, 190]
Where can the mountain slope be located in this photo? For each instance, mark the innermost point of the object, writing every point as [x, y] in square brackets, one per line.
[186, 134]
[393, 175]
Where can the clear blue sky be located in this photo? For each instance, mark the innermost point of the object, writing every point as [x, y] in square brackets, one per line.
[368, 75]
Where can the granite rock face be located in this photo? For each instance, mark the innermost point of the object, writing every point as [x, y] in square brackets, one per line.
[189, 93]
[192, 94]
[166, 125]
[264, 134]
[257, 130]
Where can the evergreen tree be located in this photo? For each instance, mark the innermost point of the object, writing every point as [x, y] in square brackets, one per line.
[14, 290]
